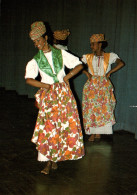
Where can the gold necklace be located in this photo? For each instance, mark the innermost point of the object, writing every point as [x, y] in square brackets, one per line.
[47, 50]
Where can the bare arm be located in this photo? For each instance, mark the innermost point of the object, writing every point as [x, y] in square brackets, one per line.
[72, 73]
[87, 74]
[85, 71]
[36, 83]
[119, 65]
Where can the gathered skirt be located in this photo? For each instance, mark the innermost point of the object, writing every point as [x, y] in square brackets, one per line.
[98, 106]
[57, 134]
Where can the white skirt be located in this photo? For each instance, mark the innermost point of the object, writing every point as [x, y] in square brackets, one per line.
[107, 129]
[41, 157]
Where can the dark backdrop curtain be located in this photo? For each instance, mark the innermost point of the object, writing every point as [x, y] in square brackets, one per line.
[116, 18]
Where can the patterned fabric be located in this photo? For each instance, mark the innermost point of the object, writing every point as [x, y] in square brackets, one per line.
[97, 38]
[58, 134]
[89, 58]
[61, 34]
[45, 66]
[98, 103]
[37, 30]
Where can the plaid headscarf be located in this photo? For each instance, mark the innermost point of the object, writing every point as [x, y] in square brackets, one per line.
[37, 30]
[61, 34]
[97, 38]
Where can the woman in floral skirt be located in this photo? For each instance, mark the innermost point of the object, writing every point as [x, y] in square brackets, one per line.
[57, 134]
[98, 98]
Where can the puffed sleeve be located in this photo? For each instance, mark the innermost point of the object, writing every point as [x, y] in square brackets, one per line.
[31, 69]
[83, 59]
[69, 60]
[113, 58]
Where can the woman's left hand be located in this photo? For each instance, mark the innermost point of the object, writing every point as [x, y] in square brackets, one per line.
[108, 75]
[66, 80]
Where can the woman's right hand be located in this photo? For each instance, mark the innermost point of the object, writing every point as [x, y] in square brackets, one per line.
[38, 84]
[87, 74]
[47, 87]
[89, 77]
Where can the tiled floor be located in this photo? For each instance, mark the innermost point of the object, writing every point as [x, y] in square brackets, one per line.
[108, 168]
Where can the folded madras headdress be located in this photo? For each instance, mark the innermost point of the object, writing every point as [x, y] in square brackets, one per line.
[97, 38]
[61, 34]
[37, 30]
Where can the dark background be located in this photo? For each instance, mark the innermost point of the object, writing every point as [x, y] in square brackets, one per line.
[116, 18]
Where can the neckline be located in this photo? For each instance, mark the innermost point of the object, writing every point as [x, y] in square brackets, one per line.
[47, 51]
[102, 55]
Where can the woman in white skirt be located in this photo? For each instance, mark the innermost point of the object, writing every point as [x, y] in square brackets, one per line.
[98, 98]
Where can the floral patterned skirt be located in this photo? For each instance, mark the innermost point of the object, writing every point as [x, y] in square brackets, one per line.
[57, 134]
[98, 103]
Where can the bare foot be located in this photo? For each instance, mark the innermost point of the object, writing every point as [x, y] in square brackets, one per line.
[47, 168]
[97, 136]
[91, 138]
[54, 165]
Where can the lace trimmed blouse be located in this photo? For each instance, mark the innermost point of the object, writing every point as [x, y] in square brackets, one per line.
[98, 63]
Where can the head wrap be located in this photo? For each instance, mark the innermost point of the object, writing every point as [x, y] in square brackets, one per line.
[37, 30]
[97, 38]
[61, 34]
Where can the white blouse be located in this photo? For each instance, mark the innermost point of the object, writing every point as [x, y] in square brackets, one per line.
[69, 60]
[98, 63]
[61, 46]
